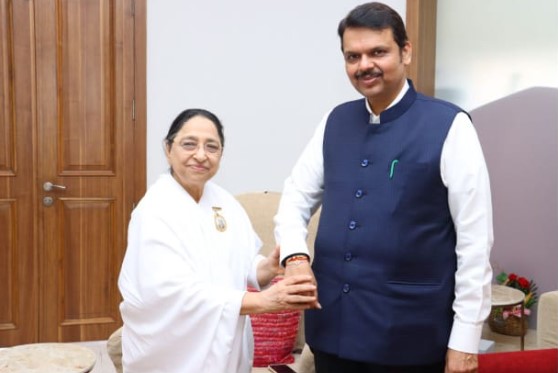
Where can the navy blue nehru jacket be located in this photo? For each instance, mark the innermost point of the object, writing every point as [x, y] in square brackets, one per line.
[385, 250]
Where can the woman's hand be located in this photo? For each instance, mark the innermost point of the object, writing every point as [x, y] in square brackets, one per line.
[269, 268]
[291, 293]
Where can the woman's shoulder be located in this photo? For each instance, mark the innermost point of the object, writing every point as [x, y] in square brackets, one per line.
[217, 194]
[162, 195]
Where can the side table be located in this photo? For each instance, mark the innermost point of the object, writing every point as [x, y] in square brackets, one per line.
[47, 357]
[505, 296]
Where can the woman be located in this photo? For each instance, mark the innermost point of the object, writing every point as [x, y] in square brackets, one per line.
[191, 254]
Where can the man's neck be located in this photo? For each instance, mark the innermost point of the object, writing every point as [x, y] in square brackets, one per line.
[376, 108]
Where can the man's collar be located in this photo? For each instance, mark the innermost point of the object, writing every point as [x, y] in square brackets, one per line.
[375, 119]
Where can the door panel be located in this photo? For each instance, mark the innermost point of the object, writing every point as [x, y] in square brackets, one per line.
[84, 105]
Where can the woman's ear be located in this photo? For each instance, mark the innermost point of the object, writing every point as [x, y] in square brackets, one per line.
[167, 147]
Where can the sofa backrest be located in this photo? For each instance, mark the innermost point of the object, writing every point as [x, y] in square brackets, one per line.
[261, 208]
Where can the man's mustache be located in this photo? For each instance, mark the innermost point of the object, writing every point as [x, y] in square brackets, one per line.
[369, 72]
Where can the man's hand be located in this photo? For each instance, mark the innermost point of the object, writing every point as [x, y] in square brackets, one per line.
[302, 267]
[461, 362]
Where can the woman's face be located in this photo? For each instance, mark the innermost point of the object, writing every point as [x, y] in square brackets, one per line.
[195, 154]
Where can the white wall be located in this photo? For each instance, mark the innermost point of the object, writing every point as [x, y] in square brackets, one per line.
[488, 49]
[269, 69]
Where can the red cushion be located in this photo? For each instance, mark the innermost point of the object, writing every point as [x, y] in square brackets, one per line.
[531, 361]
[274, 336]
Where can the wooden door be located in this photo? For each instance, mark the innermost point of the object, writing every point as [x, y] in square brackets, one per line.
[86, 168]
[18, 277]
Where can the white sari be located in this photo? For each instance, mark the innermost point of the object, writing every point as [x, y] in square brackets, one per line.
[183, 281]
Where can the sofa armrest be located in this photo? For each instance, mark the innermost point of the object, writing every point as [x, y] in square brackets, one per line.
[547, 320]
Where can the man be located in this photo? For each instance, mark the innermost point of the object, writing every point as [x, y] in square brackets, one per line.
[402, 252]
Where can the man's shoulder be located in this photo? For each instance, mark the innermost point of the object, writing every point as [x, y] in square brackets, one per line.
[349, 108]
[433, 102]
[351, 104]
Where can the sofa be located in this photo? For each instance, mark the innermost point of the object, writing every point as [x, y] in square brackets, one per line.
[547, 320]
[261, 207]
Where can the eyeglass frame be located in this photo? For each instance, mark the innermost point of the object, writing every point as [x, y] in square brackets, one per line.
[191, 146]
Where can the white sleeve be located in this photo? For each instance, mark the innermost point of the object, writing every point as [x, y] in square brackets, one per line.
[168, 308]
[464, 172]
[301, 196]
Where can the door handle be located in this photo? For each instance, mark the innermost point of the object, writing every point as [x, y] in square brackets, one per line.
[48, 186]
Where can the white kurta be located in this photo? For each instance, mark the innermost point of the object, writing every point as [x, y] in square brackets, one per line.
[182, 283]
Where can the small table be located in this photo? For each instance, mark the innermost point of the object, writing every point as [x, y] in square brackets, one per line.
[504, 296]
[47, 357]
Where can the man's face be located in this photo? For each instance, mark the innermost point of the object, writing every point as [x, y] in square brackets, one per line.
[375, 64]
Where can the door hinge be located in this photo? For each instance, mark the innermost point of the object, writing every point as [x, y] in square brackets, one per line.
[133, 8]
[134, 109]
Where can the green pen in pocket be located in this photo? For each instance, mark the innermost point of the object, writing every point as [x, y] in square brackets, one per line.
[392, 168]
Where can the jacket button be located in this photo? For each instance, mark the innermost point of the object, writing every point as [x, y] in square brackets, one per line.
[359, 193]
[364, 163]
[346, 288]
[352, 225]
[348, 257]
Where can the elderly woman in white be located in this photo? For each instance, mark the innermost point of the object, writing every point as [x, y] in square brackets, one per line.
[191, 253]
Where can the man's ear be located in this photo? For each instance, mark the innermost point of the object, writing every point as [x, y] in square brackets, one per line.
[407, 53]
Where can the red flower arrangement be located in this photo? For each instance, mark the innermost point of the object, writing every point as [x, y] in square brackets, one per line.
[528, 287]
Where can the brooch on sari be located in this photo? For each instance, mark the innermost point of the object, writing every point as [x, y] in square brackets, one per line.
[219, 220]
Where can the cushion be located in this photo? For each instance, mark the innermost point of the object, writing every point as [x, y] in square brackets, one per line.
[274, 335]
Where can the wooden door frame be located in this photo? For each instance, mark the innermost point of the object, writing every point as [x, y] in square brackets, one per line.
[139, 183]
[421, 30]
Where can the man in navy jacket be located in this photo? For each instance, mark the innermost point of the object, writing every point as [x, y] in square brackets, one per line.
[401, 257]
